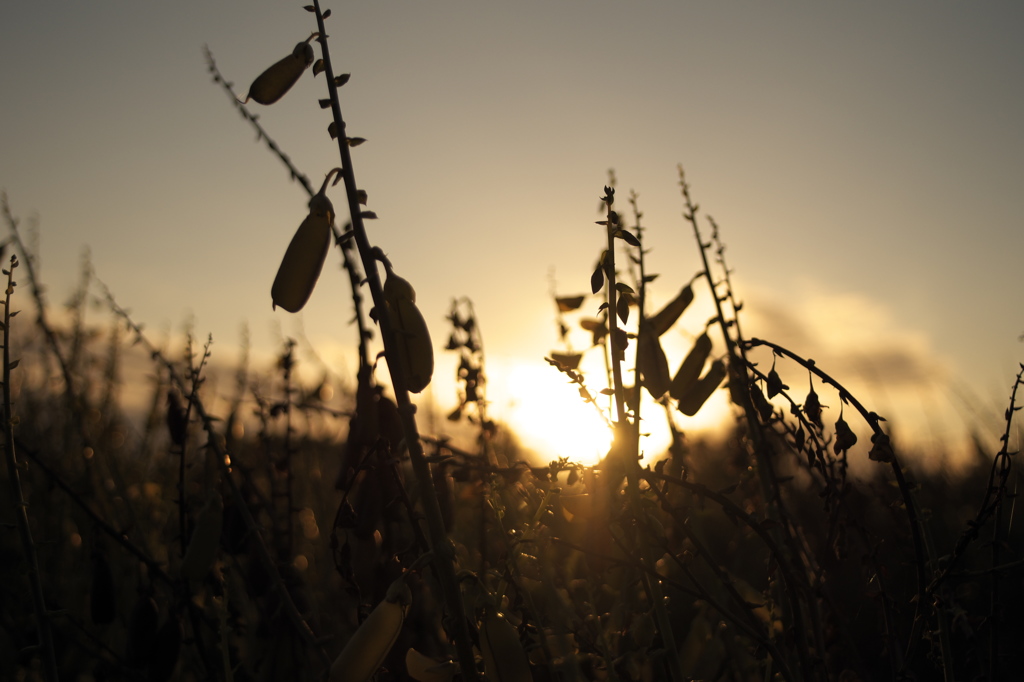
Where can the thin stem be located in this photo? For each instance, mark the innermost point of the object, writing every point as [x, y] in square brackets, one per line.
[28, 546]
[440, 545]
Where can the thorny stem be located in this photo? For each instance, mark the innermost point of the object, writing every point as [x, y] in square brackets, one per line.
[1002, 462]
[773, 503]
[440, 545]
[28, 546]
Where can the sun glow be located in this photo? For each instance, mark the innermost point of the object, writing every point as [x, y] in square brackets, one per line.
[548, 415]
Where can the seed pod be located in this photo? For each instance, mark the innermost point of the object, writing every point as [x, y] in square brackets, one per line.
[845, 437]
[775, 385]
[653, 364]
[691, 401]
[272, 84]
[141, 632]
[102, 602]
[423, 668]
[369, 645]
[812, 408]
[667, 316]
[202, 548]
[689, 371]
[504, 657]
[300, 268]
[413, 351]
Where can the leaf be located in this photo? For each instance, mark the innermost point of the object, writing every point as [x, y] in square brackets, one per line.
[597, 279]
[13, 364]
[569, 303]
[318, 67]
[607, 391]
[622, 309]
[333, 130]
[327, 13]
[325, 103]
[567, 360]
[627, 237]
[342, 79]
[624, 288]
[355, 141]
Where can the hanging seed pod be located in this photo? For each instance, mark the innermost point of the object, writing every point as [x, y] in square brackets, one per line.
[699, 393]
[812, 408]
[881, 448]
[202, 548]
[775, 385]
[504, 657]
[304, 259]
[689, 371]
[272, 84]
[414, 352]
[141, 632]
[653, 364]
[667, 316]
[166, 648]
[369, 645]
[845, 437]
[102, 600]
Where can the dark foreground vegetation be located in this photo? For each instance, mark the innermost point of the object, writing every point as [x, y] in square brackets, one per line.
[259, 528]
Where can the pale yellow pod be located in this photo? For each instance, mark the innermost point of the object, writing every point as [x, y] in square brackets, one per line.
[423, 668]
[689, 371]
[366, 650]
[697, 395]
[202, 548]
[414, 351]
[302, 263]
[272, 84]
[504, 657]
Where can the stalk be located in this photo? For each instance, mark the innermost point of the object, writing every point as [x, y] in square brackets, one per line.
[439, 543]
[17, 495]
[772, 501]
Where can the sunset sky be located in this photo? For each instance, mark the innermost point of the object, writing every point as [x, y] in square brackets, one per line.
[865, 162]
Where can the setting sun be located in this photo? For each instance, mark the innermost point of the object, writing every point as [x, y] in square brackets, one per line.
[549, 416]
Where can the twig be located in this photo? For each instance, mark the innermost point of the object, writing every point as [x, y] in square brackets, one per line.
[28, 546]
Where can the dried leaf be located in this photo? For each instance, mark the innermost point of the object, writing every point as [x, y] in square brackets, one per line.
[569, 303]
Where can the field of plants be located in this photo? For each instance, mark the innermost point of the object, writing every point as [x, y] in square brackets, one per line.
[254, 525]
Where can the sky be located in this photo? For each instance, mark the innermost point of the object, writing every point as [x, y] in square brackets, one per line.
[864, 162]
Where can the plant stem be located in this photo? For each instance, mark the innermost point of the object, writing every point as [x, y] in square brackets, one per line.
[441, 546]
[28, 546]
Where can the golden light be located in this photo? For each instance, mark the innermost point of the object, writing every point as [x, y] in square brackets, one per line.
[548, 415]
[546, 412]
